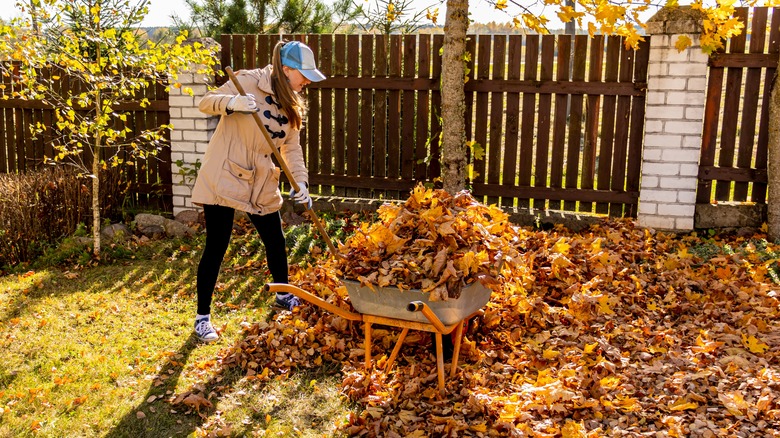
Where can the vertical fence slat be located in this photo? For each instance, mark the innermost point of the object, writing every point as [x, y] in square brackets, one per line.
[353, 110]
[238, 52]
[592, 110]
[637, 123]
[747, 130]
[165, 176]
[423, 101]
[528, 124]
[23, 120]
[380, 111]
[434, 169]
[408, 108]
[543, 120]
[561, 114]
[366, 111]
[13, 156]
[481, 106]
[709, 132]
[493, 151]
[7, 159]
[265, 46]
[326, 95]
[575, 119]
[759, 189]
[339, 141]
[728, 131]
[620, 151]
[315, 115]
[225, 55]
[607, 124]
[393, 114]
[512, 117]
[471, 50]
[250, 51]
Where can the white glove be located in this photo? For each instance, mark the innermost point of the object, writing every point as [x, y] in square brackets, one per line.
[243, 104]
[302, 196]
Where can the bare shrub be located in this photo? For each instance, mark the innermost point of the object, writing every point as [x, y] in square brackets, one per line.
[39, 208]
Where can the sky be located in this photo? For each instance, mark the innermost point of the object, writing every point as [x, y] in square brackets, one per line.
[160, 11]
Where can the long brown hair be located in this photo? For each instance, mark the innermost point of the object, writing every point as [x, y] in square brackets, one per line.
[292, 103]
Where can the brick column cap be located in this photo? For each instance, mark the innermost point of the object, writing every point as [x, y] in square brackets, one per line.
[675, 20]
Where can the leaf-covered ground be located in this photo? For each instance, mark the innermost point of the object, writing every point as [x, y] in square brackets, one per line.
[610, 331]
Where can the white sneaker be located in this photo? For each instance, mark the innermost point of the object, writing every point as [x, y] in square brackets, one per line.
[205, 331]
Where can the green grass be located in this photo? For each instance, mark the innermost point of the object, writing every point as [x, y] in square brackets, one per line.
[102, 350]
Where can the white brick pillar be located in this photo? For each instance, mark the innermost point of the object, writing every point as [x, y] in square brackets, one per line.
[190, 135]
[676, 88]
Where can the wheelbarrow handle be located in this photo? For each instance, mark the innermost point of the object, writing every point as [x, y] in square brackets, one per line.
[419, 306]
[317, 301]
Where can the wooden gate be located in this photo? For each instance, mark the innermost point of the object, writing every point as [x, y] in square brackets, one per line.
[556, 121]
[735, 134]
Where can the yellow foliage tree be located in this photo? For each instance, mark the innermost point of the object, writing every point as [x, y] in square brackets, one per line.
[108, 63]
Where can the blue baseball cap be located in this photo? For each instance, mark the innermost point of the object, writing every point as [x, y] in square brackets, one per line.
[299, 56]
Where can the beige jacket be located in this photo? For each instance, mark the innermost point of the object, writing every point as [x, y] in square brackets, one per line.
[237, 170]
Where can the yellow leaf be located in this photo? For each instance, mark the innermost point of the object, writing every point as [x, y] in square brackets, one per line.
[610, 382]
[590, 348]
[479, 427]
[734, 402]
[682, 43]
[550, 354]
[683, 404]
[561, 247]
[754, 344]
[573, 429]
[654, 349]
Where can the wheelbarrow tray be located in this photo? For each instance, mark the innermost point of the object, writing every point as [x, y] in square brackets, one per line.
[391, 302]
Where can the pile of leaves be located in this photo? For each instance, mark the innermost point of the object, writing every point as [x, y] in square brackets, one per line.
[612, 331]
[435, 242]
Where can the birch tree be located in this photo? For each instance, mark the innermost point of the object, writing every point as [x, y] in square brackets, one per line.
[109, 64]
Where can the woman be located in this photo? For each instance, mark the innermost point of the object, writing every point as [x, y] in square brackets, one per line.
[237, 171]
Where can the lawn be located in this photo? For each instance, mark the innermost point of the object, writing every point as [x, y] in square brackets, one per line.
[610, 331]
[102, 350]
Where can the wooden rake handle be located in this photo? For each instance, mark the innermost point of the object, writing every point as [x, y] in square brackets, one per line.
[283, 164]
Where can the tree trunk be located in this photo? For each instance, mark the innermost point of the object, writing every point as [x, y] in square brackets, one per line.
[773, 162]
[96, 163]
[453, 100]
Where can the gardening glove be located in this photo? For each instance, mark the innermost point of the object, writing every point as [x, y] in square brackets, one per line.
[243, 104]
[302, 196]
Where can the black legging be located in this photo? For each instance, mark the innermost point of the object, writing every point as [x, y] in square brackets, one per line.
[219, 227]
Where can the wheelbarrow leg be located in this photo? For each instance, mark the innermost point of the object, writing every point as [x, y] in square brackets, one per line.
[396, 349]
[367, 329]
[456, 350]
[440, 362]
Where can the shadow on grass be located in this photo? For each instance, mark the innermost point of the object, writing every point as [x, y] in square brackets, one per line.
[159, 418]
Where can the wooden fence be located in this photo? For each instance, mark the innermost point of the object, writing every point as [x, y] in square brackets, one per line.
[735, 134]
[22, 150]
[558, 120]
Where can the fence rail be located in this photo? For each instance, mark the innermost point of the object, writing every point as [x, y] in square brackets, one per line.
[558, 120]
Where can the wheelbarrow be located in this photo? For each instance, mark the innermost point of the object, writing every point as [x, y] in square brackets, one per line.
[405, 309]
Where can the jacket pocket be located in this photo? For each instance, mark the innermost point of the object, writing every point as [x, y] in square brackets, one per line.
[268, 195]
[236, 182]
